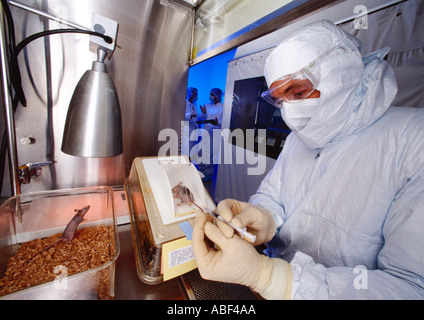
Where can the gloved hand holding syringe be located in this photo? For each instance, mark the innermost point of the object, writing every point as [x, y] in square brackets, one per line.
[186, 196]
[243, 231]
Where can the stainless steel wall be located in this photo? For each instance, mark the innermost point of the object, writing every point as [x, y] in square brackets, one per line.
[150, 71]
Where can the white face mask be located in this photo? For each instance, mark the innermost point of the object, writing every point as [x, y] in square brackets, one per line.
[297, 115]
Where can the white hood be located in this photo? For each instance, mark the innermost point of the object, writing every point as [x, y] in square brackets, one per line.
[354, 91]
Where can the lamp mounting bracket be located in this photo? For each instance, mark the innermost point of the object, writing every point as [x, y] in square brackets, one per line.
[105, 26]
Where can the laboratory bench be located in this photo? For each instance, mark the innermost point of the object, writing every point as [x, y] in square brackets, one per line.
[128, 285]
[190, 286]
[123, 266]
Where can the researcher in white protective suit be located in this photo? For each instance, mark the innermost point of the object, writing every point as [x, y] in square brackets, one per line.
[342, 210]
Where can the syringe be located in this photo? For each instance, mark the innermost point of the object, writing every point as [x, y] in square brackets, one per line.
[188, 197]
[243, 233]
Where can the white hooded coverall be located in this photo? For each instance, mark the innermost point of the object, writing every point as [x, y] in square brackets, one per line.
[347, 191]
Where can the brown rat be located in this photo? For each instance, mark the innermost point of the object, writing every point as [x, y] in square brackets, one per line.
[69, 232]
[183, 193]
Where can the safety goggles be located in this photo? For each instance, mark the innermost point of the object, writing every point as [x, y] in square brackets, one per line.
[296, 86]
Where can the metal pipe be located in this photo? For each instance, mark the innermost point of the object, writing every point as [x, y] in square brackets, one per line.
[46, 15]
[193, 16]
[8, 108]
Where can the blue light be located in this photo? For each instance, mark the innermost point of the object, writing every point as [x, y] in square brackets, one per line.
[209, 74]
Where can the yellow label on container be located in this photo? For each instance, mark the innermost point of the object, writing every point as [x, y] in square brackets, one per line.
[177, 258]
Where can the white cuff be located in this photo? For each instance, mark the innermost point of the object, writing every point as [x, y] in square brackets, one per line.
[281, 281]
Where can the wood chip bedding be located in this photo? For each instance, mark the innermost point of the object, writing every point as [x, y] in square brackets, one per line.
[92, 247]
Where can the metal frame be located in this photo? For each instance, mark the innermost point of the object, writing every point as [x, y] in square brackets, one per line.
[268, 27]
[8, 109]
[7, 101]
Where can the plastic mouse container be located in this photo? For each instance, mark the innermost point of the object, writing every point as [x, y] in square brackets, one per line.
[152, 208]
[82, 269]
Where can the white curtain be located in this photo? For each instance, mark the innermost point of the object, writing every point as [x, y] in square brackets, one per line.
[400, 27]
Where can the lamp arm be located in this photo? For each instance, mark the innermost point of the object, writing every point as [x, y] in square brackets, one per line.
[35, 36]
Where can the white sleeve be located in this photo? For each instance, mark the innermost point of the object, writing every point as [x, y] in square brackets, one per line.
[400, 273]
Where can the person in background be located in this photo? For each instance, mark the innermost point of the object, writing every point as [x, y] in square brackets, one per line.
[342, 210]
[190, 116]
[211, 117]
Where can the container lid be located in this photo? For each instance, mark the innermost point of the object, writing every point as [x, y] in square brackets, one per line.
[164, 228]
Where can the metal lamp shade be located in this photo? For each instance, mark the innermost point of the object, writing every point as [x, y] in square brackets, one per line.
[93, 125]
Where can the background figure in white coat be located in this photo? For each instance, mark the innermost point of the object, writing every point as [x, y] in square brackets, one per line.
[190, 116]
[213, 113]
